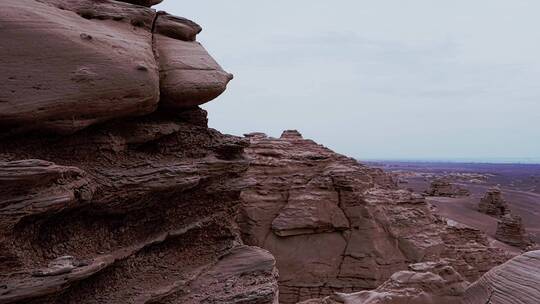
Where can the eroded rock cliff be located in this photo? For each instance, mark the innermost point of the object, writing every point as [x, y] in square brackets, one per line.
[114, 190]
[335, 225]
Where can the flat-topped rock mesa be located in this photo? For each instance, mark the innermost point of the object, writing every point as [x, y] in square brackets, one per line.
[510, 230]
[493, 203]
[335, 225]
[444, 188]
[67, 65]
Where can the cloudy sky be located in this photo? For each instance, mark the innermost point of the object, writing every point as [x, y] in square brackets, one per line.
[416, 79]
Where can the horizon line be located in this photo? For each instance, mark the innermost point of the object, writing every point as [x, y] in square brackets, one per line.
[464, 160]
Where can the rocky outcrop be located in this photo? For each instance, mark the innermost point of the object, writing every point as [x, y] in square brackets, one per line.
[71, 64]
[114, 190]
[510, 230]
[423, 283]
[444, 188]
[335, 225]
[514, 282]
[139, 211]
[139, 208]
[493, 203]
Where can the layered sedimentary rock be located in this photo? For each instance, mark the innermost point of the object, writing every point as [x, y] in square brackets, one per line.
[67, 65]
[422, 283]
[444, 188]
[335, 225]
[510, 230]
[114, 190]
[137, 211]
[139, 208]
[514, 282]
[493, 203]
[189, 76]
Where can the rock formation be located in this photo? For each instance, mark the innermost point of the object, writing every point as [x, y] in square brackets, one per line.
[514, 282]
[67, 65]
[114, 190]
[134, 209]
[493, 203]
[444, 188]
[510, 230]
[335, 225]
[423, 283]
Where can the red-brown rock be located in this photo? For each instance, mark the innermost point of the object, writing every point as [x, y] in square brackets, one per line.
[444, 188]
[71, 64]
[493, 203]
[510, 230]
[335, 225]
[514, 282]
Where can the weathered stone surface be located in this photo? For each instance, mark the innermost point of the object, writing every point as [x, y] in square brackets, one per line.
[335, 225]
[189, 76]
[176, 27]
[71, 64]
[242, 275]
[514, 282]
[493, 203]
[140, 209]
[62, 72]
[444, 188]
[510, 230]
[151, 206]
[310, 211]
[424, 283]
[33, 187]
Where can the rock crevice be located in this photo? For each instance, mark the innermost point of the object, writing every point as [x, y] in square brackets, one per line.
[342, 226]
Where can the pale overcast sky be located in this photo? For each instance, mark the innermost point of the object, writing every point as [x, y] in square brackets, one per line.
[379, 79]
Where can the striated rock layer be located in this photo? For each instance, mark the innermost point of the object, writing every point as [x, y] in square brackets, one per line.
[136, 211]
[114, 190]
[422, 283]
[493, 203]
[515, 282]
[67, 65]
[444, 188]
[510, 230]
[335, 225]
[140, 207]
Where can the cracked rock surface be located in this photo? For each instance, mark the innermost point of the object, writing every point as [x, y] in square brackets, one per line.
[105, 197]
[335, 225]
[114, 190]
